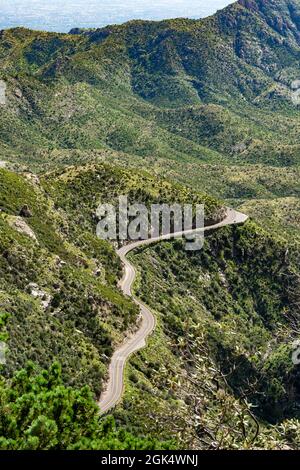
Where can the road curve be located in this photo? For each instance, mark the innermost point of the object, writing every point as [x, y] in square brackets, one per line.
[115, 385]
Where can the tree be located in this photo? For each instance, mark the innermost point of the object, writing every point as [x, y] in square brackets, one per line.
[38, 412]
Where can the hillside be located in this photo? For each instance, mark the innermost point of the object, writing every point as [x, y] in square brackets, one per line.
[60, 300]
[198, 93]
[201, 111]
[219, 364]
[234, 302]
[55, 267]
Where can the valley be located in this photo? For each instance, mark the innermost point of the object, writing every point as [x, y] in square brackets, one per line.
[200, 111]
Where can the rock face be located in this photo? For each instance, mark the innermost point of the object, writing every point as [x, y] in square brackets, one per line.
[20, 226]
[38, 293]
[18, 93]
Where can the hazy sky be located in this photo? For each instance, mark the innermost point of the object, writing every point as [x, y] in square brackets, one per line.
[62, 15]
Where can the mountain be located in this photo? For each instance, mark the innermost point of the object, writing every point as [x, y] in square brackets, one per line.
[226, 323]
[211, 105]
[215, 96]
[53, 262]
[225, 316]
[59, 301]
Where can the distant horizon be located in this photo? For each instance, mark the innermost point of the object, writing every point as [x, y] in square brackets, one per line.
[63, 15]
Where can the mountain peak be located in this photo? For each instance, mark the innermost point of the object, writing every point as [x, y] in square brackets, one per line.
[282, 16]
[282, 7]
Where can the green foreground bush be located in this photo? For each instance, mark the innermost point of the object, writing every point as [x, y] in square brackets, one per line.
[37, 412]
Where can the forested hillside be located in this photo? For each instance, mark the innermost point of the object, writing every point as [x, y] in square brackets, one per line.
[217, 97]
[59, 302]
[227, 314]
[227, 321]
[203, 111]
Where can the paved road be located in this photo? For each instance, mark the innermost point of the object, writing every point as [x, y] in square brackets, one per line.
[114, 390]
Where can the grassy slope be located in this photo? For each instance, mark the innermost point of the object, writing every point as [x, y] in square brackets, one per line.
[224, 340]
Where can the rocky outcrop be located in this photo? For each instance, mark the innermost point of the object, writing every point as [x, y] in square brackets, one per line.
[40, 294]
[21, 226]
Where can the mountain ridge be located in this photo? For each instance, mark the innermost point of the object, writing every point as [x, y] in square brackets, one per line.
[207, 103]
[204, 93]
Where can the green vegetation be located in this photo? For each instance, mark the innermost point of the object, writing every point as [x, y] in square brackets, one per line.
[71, 190]
[93, 115]
[37, 412]
[220, 362]
[59, 288]
[205, 102]
[59, 296]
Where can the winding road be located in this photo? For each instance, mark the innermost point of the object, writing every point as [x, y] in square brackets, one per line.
[115, 385]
